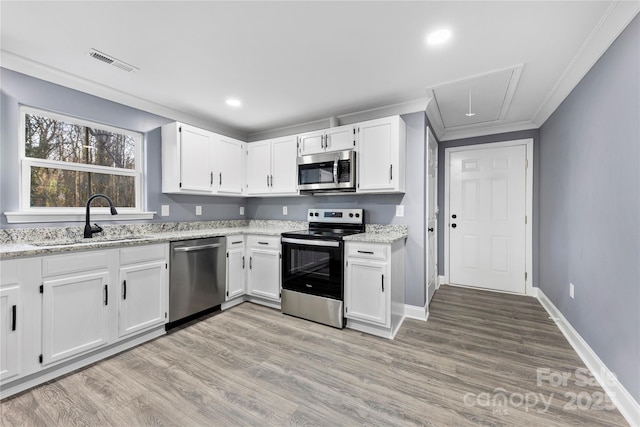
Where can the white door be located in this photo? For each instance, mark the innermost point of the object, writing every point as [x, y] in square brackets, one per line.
[74, 315]
[366, 293]
[264, 273]
[235, 272]
[431, 186]
[374, 155]
[340, 138]
[142, 297]
[487, 207]
[195, 159]
[284, 169]
[9, 332]
[258, 167]
[230, 166]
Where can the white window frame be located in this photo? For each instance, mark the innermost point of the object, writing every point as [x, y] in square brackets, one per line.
[28, 213]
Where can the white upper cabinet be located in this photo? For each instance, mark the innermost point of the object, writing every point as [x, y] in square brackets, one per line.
[272, 167]
[230, 166]
[196, 161]
[332, 139]
[381, 155]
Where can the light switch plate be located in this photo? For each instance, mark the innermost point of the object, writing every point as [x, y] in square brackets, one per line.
[198, 210]
[399, 210]
[164, 211]
[241, 210]
[284, 210]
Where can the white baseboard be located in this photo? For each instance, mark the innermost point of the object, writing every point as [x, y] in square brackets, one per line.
[441, 281]
[626, 404]
[416, 312]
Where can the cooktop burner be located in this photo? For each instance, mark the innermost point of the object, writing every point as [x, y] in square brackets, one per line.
[331, 224]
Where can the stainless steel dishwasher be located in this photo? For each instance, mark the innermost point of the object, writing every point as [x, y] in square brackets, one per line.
[197, 276]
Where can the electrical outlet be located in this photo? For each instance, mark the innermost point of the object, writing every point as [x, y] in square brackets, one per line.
[571, 290]
[284, 210]
[198, 210]
[399, 210]
[241, 210]
[164, 210]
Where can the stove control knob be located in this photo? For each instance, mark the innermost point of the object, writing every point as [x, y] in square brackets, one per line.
[350, 215]
[316, 214]
[310, 213]
[357, 215]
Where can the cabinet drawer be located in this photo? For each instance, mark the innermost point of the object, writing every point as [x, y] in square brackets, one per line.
[74, 263]
[8, 272]
[272, 242]
[367, 251]
[235, 242]
[137, 254]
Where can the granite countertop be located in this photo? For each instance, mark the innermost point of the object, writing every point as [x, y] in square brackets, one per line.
[15, 243]
[375, 233]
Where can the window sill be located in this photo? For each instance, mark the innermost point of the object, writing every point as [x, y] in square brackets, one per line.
[61, 216]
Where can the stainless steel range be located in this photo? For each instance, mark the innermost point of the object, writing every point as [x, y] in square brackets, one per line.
[313, 265]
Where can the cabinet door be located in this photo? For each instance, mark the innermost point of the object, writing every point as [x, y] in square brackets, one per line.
[230, 170]
[375, 161]
[10, 330]
[312, 142]
[258, 167]
[74, 315]
[284, 166]
[264, 273]
[340, 138]
[142, 297]
[367, 291]
[235, 272]
[195, 159]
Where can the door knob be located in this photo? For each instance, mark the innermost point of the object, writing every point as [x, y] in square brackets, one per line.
[430, 229]
[453, 226]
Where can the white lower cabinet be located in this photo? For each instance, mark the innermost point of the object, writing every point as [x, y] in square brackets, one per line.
[264, 276]
[236, 267]
[10, 325]
[75, 311]
[374, 287]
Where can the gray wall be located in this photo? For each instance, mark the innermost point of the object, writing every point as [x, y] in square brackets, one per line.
[379, 208]
[590, 208]
[18, 89]
[509, 136]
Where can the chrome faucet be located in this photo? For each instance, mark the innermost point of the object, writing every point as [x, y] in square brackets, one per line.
[88, 229]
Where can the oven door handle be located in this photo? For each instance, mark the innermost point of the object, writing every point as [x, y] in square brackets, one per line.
[311, 242]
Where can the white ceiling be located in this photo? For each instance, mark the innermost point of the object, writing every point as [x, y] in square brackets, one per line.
[298, 62]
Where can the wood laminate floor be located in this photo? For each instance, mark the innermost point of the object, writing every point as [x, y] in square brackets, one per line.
[482, 358]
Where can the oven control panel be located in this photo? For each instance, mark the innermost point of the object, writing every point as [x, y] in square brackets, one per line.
[344, 216]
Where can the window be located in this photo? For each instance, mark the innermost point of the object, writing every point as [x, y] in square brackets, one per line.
[64, 160]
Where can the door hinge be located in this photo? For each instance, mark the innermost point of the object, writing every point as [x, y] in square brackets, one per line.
[180, 184]
[280, 295]
[227, 254]
[166, 266]
[40, 358]
[526, 163]
[525, 276]
[346, 309]
[227, 293]
[42, 289]
[165, 314]
[180, 129]
[280, 255]
[525, 219]
[347, 264]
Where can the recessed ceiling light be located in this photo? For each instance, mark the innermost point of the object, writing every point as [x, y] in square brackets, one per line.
[439, 36]
[232, 102]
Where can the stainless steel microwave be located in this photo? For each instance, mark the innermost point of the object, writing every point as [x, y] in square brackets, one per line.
[325, 172]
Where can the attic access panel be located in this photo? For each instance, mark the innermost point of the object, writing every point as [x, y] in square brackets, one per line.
[491, 95]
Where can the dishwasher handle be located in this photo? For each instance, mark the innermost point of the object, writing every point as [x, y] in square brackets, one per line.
[197, 248]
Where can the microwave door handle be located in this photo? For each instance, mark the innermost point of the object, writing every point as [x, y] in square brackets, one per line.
[335, 169]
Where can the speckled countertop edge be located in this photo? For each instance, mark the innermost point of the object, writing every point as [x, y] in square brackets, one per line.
[63, 240]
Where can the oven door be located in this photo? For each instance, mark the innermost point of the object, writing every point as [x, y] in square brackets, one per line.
[313, 267]
[327, 171]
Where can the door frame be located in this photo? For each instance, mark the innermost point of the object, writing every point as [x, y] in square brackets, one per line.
[436, 234]
[528, 143]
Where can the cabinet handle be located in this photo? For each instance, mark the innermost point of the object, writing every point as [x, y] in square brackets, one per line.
[235, 243]
[211, 178]
[383, 283]
[391, 173]
[271, 180]
[124, 289]
[220, 178]
[366, 252]
[267, 180]
[243, 262]
[14, 317]
[263, 243]
[106, 295]
[250, 259]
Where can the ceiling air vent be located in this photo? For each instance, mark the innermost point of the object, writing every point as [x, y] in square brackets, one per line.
[96, 54]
